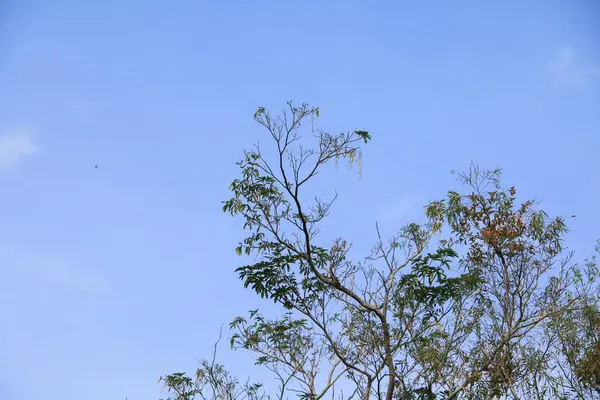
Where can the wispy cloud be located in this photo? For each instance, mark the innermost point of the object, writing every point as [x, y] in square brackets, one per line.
[401, 208]
[87, 110]
[401, 211]
[74, 278]
[26, 264]
[16, 145]
[567, 70]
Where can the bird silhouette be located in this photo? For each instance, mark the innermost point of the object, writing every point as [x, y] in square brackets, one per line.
[96, 166]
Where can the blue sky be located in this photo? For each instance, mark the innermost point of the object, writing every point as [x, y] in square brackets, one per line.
[111, 277]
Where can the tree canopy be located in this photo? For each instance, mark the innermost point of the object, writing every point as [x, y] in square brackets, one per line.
[482, 301]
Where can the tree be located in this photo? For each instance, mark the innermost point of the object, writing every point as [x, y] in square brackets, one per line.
[453, 308]
[575, 337]
[211, 381]
[526, 282]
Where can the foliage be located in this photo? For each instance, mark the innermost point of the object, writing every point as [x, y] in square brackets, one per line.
[211, 381]
[480, 301]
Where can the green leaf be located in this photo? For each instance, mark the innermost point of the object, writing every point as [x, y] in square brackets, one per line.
[365, 135]
[259, 112]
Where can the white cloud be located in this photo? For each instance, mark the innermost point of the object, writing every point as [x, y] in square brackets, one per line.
[569, 71]
[14, 146]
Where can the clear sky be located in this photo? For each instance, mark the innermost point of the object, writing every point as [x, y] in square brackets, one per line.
[113, 276]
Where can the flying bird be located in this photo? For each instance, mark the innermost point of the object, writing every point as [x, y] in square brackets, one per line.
[96, 166]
